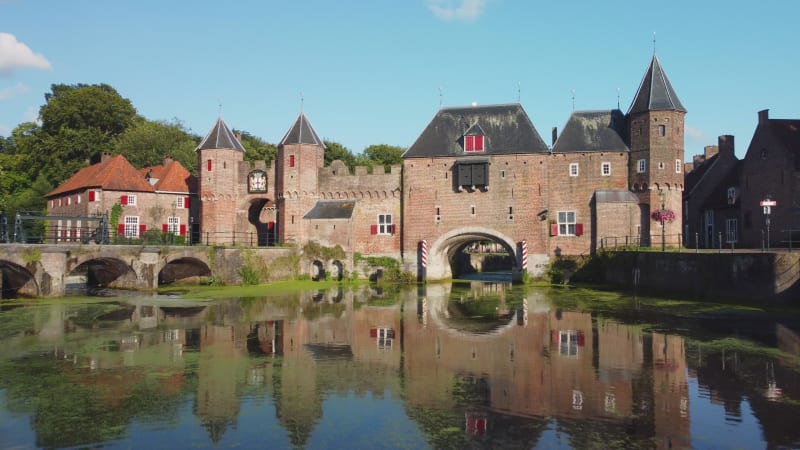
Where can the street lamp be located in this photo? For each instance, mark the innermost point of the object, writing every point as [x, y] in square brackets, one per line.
[767, 204]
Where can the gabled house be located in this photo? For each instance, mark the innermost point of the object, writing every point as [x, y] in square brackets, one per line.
[771, 171]
[155, 198]
[717, 169]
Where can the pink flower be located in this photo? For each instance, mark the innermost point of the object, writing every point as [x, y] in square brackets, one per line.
[663, 215]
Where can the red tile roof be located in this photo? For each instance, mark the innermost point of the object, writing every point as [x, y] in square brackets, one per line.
[172, 177]
[112, 174]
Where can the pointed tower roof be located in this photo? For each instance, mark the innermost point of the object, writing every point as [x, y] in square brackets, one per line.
[655, 92]
[220, 136]
[302, 133]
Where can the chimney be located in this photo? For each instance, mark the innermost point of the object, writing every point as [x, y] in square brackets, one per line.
[698, 161]
[726, 145]
[167, 159]
[239, 136]
[555, 135]
[763, 116]
[710, 150]
[105, 155]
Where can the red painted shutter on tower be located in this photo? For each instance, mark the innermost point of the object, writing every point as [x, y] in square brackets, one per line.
[373, 229]
[578, 229]
[91, 196]
[164, 228]
[142, 229]
[186, 202]
[123, 200]
[121, 229]
[553, 229]
[291, 160]
[208, 165]
[183, 229]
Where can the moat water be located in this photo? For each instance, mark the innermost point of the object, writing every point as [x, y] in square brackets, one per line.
[476, 365]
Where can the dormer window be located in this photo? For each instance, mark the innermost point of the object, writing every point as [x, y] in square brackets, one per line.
[731, 195]
[473, 143]
[474, 139]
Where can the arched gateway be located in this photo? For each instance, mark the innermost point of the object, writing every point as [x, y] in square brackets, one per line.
[442, 251]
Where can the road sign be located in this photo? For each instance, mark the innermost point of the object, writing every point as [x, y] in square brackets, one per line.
[768, 203]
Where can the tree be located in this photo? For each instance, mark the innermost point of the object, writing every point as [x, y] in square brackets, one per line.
[257, 149]
[335, 150]
[147, 142]
[80, 106]
[388, 155]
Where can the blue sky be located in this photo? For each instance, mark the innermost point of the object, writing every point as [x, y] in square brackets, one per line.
[374, 72]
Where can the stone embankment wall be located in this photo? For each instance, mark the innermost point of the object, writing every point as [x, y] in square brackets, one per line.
[708, 276]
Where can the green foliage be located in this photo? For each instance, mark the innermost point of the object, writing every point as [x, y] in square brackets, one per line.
[313, 250]
[116, 213]
[386, 262]
[335, 150]
[249, 275]
[212, 281]
[387, 155]
[31, 255]
[84, 106]
[147, 142]
[257, 149]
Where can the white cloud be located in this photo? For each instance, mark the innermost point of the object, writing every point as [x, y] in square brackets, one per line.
[31, 114]
[16, 55]
[463, 10]
[13, 91]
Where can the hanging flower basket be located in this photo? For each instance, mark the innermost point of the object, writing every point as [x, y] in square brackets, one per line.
[663, 215]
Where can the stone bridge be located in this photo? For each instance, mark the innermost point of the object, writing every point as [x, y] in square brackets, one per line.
[32, 270]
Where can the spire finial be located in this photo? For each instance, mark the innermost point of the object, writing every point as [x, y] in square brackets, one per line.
[440, 97]
[519, 92]
[219, 105]
[617, 98]
[302, 100]
[573, 100]
[654, 42]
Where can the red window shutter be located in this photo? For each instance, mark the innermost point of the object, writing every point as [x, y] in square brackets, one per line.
[186, 202]
[469, 143]
[394, 228]
[291, 160]
[142, 228]
[373, 229]
[121, 229]
[578, 229]
[164, 228]
[581, 339]
[91, 196]
[479, 143]
[554, 336]
[553, 229]
[373, 332]
[208, 165]
[123, 200]
[183, 229]
[270, 226]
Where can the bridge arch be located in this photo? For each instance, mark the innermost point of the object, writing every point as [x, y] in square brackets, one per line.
[182, 268]
[442, 251]
[16, 279]
[100, 271]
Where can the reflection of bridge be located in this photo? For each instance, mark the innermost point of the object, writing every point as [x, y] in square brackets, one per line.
[40, 270]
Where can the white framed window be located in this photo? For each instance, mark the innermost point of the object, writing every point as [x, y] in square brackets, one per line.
[605, 169]
[385, 224]
[179, 202]
[577, 400]
[641, 166]
[69, 201]
[730, 231]
[131, 200]
[731, 195]
[132, 226]
[678, 165]
[662, 130]
[173, 224]
[573, 169]
[385, 338]
[568, 343]
[78, 199]
[566, 223]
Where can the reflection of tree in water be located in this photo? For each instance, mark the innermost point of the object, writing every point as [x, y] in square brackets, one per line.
[73, 408]
[298, 405]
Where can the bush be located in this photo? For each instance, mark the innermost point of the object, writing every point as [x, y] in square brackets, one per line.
[249, 276]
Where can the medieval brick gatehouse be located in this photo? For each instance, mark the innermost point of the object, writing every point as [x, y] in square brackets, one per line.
[478, 173]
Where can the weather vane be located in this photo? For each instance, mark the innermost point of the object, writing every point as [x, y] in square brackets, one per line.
[519, 92]
[440, 97]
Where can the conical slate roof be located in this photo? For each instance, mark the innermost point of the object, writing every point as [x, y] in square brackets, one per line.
[302, 133]
[655, 92]
[220, 136]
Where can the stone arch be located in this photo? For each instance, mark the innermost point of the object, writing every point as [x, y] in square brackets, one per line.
[182, 268]
[322, 194]
[100, 271]
[261, 214]
[317, 270]
[17, 279]
[336, 270]
[441, 251]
